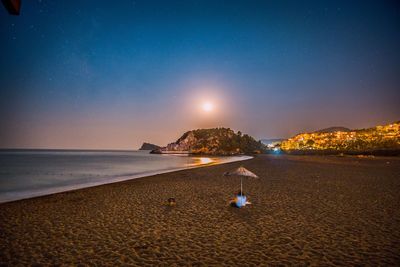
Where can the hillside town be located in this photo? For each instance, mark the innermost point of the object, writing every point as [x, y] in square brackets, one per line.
[379, 137]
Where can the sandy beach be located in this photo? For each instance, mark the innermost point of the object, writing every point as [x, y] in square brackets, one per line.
[307, 210]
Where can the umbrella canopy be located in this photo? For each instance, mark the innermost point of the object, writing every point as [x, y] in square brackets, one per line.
[242, 171]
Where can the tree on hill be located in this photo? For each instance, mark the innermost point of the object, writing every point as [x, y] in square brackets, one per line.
[222, 141]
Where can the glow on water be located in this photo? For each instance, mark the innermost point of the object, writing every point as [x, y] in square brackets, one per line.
[198, 161]
[206, 160]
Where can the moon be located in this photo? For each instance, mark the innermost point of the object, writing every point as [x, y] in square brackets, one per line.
[208, 106]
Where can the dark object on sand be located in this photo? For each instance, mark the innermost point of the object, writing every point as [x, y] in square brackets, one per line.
[240, 200]
[13, 6]
[171, 201]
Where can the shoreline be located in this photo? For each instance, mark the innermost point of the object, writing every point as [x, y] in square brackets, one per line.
[23, 195]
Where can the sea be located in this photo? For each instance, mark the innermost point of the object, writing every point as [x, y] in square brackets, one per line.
[31, 173]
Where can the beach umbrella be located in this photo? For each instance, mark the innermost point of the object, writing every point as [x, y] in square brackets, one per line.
[242, 172]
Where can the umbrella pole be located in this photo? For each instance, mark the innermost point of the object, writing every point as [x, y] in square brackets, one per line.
[241, 187]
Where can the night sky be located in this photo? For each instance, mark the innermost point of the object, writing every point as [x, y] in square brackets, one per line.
[113, 74]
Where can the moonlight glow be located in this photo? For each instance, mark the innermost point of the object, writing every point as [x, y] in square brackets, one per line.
[207, 106]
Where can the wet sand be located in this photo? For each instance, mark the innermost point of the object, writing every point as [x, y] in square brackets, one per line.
[307, 210]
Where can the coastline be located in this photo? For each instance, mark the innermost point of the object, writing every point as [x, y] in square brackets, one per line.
[22, 195]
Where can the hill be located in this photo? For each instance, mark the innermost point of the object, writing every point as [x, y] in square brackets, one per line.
[271, 141]
[215, 141]
[334, 129]
[386, 137]
[148, 146]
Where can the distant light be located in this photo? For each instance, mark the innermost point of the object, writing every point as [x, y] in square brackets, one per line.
[276, 149]
[205, 160]
[208, 106]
